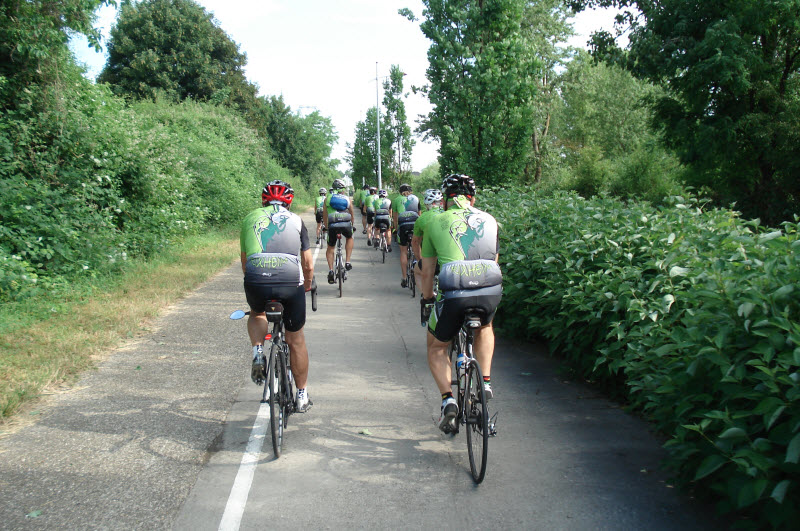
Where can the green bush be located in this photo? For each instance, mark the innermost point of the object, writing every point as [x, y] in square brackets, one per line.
[692, 315]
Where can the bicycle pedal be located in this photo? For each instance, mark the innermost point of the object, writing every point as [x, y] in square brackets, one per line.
[492, 425]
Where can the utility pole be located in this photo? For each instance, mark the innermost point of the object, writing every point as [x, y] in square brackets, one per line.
[378, 124]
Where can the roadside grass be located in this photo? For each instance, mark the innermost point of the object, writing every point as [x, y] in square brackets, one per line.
[45, 343]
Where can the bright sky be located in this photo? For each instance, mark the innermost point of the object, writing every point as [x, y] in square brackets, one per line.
[321, 55]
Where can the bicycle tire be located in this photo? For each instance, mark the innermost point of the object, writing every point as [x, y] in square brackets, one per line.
[275, 383]
[288, 388]
[477, 422]
[383, 248]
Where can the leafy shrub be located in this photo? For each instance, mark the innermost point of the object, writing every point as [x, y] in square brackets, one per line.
[691, 314]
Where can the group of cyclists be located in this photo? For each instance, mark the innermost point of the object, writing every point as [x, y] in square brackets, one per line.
[450, 236]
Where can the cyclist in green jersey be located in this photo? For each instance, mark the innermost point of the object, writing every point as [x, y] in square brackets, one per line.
[383, 218]
[339, 219]
[369, 206]
[464, 242]
[433, 206]
[318, 208]
[405, 209]
[360, 204]
[277, 265]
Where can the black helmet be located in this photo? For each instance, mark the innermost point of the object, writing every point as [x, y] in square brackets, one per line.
[457, 184]
[365, 187]
[405, 188]
[338, 184]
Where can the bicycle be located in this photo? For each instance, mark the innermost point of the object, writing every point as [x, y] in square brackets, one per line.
[411, 281]
[470, 395]
[278, 381]
[338, 265]
[380, 243]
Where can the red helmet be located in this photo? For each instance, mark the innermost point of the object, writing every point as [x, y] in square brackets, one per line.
[277, 192]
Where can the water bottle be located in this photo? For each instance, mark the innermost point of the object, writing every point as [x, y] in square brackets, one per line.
[460, 363]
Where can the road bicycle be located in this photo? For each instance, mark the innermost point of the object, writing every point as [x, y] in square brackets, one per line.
[380, 243]
[278, 380]
[470, 395]
[338, 265]
[411, 281]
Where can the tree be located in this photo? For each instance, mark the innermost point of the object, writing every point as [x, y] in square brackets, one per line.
[731, 106]
[362, 154]
[176, 48]
[395, 123]
[482, 81]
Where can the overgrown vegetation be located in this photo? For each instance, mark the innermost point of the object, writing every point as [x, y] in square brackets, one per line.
[688, 312]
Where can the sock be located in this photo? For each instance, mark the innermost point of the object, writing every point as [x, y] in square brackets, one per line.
[447, 395]
[487, 379]
[257, 349]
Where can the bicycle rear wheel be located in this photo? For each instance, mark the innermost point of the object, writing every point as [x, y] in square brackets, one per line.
[383, 248]
[275, 383]
[477, 422]
[412, 281]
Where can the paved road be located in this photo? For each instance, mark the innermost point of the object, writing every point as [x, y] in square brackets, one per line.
[155, 438]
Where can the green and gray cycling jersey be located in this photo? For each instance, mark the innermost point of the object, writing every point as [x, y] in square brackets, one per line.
[319, 203]
[369, 202]
[272, 239]
[406, 208]
[424, 219]
[358, 199]
[340, 215]
[382, 205]
[465, 242]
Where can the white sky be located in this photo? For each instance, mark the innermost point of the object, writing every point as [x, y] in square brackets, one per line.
[321, 55]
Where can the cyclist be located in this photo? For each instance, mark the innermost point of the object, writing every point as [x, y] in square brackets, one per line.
[433, 206]
[383, 217]
[319, 207]
[339, 220]
[359, 202]
[369, 206]
[464, 242]
[405, 208]
[277, 265]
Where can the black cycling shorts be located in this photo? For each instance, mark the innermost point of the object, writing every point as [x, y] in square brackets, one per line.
[382, 222]
[339, 228]
[319, 217]
[404, 233]
[370, 218]
[293, 299]
[451, 306]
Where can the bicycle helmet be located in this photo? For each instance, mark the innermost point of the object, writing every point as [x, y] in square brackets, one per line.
[372, 189]
[457, 184]
[365, 187]
[323, 191]
[382, 193]
[277, 192]
[338, 184]
[405, 188]
[432, 195]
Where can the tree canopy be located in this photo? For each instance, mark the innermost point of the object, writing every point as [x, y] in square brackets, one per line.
[174, 47]
[731, 106]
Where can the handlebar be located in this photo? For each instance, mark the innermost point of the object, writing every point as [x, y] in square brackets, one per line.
[313, 291]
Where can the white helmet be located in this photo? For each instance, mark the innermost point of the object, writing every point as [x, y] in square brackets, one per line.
[432, 195]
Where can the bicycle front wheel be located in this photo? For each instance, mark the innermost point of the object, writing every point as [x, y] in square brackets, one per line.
[275, 384]
[383, 249]
[477, 422]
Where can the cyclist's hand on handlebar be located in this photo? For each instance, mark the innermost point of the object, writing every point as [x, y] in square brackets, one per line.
[310, 284]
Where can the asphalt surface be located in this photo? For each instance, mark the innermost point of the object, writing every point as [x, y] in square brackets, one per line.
[155, 437]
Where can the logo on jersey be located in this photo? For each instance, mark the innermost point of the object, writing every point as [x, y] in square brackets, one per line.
[268, 226]
[466, 230]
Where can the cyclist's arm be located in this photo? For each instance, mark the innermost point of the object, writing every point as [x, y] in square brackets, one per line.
[428, 271]
[244, 263]
[416, 245]
[307, 262]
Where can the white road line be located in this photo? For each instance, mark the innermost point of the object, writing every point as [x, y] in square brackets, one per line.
[234, 510]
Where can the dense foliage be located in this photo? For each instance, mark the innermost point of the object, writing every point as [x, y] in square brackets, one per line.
[174, 48]
[731, 105]
[689, 313]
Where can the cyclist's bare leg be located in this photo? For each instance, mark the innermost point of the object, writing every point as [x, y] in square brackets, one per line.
[348, 249]
[319, 229]
[363, 220]
[403, 261]
[298, 353]
[439, 363]
[257, 328]
[329, 252]
[484, 348]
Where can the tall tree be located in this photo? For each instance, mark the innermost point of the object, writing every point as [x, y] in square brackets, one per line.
[362, 155]
[482, 77]
[731, 109]
[395, 122]
[174, 47]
